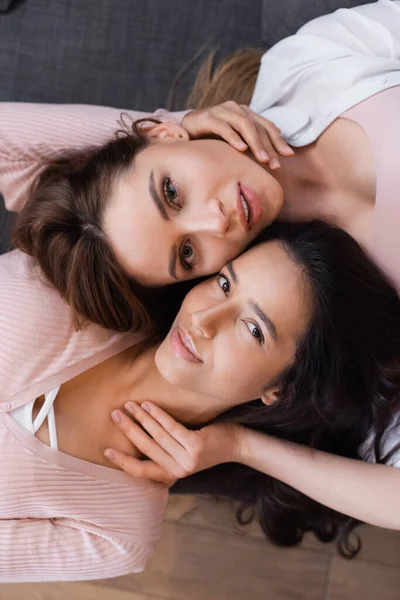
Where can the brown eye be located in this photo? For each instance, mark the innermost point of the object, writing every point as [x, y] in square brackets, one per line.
[224, 284]
[255, 332]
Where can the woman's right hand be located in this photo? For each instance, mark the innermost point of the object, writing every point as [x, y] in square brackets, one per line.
[173, 451]
[242, 128]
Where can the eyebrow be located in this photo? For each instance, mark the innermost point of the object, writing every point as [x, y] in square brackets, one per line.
[156, 198]
[172, 262]
[162, 210]
[267, 321]
[232, 272]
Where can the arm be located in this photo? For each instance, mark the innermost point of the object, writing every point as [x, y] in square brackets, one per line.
[61, 550]
[367, 492]
[31, 135]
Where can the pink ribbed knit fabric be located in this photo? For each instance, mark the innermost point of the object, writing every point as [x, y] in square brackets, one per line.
[33, 134]
[61, 518]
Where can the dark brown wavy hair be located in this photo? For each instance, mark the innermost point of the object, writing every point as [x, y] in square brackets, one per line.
[343, 384]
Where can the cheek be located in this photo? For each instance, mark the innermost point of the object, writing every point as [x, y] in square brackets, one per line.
[239, 373]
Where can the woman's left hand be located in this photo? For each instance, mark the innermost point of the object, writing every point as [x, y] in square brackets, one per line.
[173, 451]
[242, 128]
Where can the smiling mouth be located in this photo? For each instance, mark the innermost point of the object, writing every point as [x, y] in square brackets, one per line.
[183, 346]
[248, 206]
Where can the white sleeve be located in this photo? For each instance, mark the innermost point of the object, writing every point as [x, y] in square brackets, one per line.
[390, 445]
[370, 29]
[327, 58]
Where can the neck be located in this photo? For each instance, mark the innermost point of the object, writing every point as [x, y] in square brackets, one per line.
[321, 181]
[306, 184]
[146, 383]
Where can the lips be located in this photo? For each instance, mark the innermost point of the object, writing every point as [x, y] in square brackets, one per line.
[252, 206]
[183, 346]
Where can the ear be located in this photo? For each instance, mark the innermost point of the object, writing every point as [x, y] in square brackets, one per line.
[167, 132]
[270, 396]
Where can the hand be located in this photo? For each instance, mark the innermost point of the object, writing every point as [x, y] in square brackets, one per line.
[173, 451]
[241, 128]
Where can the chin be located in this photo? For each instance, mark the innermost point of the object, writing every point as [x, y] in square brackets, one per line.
[167, 366]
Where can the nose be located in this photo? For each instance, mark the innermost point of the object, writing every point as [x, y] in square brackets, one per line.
[211, 219]
[208, 320]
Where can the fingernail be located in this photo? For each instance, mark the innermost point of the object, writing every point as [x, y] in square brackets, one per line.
[116, 416]
[274, 163]
[110, 454]
[242, 145]
[263, 155]
[130, 407]
[146, 406]
[289, 150]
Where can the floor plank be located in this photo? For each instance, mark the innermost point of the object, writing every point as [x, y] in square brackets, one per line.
[67, 591]
[380, 545]
[353, 580]
[193, 563]
[220, 516]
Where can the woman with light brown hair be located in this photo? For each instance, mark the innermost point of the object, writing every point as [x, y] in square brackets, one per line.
[110, 211]
[332, 89]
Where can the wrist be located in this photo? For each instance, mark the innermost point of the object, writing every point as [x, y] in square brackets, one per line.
[240, 443]
[253, 448]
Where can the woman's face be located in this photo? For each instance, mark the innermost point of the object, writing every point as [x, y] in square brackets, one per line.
[186, 208]
[237, 332]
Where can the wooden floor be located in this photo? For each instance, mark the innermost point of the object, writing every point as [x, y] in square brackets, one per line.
[204, 556]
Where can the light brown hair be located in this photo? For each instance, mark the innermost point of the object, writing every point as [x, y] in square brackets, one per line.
[61, 226]
[233, 79]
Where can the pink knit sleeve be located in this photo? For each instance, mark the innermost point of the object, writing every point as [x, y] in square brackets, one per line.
[33, 134]
[64, 550]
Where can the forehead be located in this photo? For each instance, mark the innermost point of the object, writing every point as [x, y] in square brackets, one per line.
[268, 276]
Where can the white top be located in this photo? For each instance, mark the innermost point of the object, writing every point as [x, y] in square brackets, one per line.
[390, 441]
[332, 63]
[23, 416]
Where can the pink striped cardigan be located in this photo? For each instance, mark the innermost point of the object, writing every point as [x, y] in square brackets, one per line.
[61, 518]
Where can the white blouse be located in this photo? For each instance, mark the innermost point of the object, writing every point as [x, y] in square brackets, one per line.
[332, 63]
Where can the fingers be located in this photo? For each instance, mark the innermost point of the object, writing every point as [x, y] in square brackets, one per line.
[145, 444]
[162, 428]
[274, 134]
[247, 129]
[139, 468]
[224, 130]
[242, 128]
[262, 137]
[158, 444]
[177, 430]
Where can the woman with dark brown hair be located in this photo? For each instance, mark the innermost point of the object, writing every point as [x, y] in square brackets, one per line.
[312, 323]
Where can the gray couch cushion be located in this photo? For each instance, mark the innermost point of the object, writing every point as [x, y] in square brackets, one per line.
[5, 5]
[122, 53]
[283, 18]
